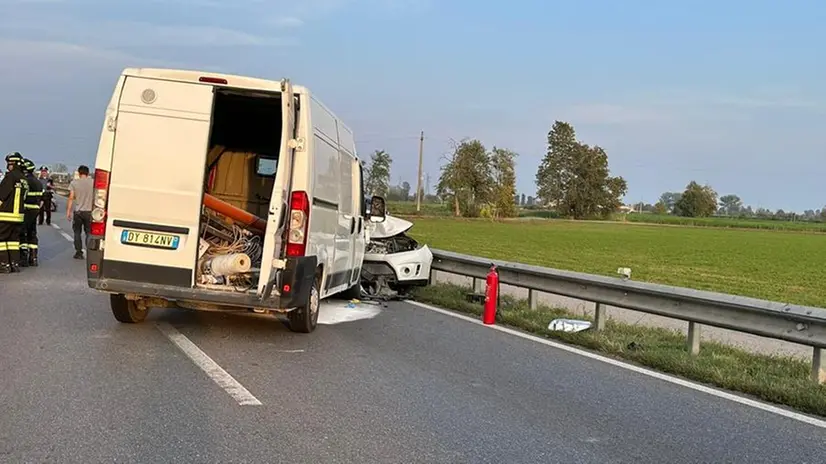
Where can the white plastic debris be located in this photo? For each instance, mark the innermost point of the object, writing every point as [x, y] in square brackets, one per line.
[569, 325]
[625, 272]
[333, 311]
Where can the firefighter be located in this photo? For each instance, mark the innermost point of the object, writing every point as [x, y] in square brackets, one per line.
[13, 189]
[33, 203]
[48, 204]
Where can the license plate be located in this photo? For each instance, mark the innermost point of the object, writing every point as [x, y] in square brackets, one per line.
[150, 239]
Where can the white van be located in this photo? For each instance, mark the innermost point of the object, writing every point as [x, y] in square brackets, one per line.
[225, 192]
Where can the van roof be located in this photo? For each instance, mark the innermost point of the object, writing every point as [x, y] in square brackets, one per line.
[186, 75]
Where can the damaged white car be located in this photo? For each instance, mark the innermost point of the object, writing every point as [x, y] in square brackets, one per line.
[393, 260]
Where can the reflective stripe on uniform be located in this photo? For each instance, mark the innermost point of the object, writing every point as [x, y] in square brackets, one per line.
[33, 193]
[13, 246]
[30, 246]
[15, 215]
[24, 247]
[11, 217]
[30, 206]
[3, 246]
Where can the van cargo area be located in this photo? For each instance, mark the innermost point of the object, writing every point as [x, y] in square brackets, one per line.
[241, 161]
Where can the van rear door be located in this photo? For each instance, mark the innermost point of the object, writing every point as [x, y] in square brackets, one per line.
[156, 183]
[273, 240]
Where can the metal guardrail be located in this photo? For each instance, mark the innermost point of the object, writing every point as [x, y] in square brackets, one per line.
[804, 325]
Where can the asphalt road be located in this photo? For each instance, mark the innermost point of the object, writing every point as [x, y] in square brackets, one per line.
[407, 385]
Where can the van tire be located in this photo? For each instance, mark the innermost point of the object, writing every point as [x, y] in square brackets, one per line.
[304, 319]
[126, 311]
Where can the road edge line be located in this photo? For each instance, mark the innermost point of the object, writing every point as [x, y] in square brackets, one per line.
[640, 370]
[209, 366]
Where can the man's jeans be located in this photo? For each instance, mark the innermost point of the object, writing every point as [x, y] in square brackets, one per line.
[81, 222]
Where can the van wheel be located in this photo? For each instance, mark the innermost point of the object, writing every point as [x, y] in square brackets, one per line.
[304, 319]
[126, 311]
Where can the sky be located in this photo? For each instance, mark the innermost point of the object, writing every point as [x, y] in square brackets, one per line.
[730, 93]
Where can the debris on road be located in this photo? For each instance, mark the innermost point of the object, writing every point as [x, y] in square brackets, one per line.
[569, 325]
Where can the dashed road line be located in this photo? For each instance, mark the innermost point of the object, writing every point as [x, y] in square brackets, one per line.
[657, 375]
[212, 369]
[64, 234]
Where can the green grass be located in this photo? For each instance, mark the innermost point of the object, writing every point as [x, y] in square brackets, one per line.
[408, 208]
[780, 266]
[737, 223]
[771, 378]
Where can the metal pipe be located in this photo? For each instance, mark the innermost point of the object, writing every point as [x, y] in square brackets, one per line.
[235, 213]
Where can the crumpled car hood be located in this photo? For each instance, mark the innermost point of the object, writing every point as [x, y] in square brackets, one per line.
[390, 227]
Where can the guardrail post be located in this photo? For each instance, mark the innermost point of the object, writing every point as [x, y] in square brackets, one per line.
[600, 315]
[693, 342]
[818, 365]
[531, 298]
[476, 285]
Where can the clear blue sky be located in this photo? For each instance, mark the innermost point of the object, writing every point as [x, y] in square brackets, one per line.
[726, 92]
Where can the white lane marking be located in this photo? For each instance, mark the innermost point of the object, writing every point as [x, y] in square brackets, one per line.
[56, 226]
[67, 236]
[657, 375]
[212, 369]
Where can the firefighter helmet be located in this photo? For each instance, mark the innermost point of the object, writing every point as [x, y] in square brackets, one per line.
[28, 165]
[14, 158]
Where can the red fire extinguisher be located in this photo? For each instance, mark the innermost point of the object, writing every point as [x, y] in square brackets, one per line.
[491, 296]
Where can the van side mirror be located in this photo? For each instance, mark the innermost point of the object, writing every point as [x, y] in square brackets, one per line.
[378, 209]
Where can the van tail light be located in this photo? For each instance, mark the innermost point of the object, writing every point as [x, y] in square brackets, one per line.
[101, 196]
[299, 218]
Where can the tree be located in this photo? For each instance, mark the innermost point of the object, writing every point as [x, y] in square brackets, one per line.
[660, 208]
[405, 190]
[731, 204]
[669, 199]
[504, 178]
[377, 174]
[466, 178]
[60, 167]
[696, 201]
[554, 174]
[574, 177]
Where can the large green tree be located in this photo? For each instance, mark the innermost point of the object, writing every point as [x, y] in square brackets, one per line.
[574, 177]
[377, 174]
[731, 205]
[503, 167]
[466, 179]
[696, 201]
[669, 199]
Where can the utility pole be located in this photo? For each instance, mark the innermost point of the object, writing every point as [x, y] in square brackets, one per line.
[419, 181]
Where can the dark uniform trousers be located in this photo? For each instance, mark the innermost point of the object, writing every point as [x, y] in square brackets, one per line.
[46, 210]
[11, 225]
[28, 234]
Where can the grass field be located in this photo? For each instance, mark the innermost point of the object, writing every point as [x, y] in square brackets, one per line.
[736, 223]
[774, 265]
[406, 208]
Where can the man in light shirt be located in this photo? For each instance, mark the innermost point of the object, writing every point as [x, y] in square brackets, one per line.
[79, 207]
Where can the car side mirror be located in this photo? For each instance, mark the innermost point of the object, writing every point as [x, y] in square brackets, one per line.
[378, 209]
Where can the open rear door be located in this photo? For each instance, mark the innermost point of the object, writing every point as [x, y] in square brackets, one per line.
[276, 219]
